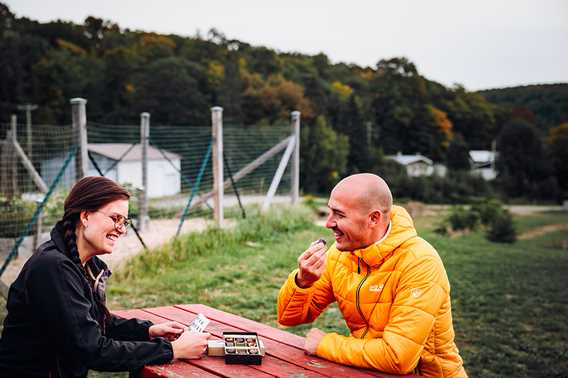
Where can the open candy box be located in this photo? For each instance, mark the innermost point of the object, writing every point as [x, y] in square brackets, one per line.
[238, 348]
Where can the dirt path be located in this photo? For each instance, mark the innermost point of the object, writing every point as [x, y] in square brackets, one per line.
[539, 231]
[159, 232]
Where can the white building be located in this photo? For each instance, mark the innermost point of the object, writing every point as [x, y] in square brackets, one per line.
[483, 164]
[416, 165]
[122, 162]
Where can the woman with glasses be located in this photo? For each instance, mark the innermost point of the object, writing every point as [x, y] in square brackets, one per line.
[58, 324]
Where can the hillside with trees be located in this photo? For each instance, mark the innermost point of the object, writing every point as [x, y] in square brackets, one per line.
[351, 115]
[544, 105]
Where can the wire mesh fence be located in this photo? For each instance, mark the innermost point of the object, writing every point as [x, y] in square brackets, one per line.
[19, 192]
[175, 155]
[243, 144]
[179, 166]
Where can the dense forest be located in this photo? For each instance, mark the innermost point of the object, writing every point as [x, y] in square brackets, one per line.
[546, 106]
[352, 116]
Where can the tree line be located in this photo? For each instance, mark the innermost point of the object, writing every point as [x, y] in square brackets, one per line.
[352, 116]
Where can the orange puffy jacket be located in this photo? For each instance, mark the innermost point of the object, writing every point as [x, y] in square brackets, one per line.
[395, 299]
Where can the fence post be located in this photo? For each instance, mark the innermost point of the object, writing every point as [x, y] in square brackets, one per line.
[79, 115]
[14, 139]
[37, 230]
[217, 140]
[144, 141]
[28, 108]
[295, 171]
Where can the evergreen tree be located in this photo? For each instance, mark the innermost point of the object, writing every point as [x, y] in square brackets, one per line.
[458, 154]
[324, 155]
[521, 162]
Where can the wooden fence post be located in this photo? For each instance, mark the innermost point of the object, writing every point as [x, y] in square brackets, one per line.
[14, 159]
[217, 140]
[144, 141]
[28, 108]
[79, 115]
[295, 171]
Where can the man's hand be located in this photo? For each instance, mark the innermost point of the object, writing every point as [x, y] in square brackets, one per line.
[313, 338]
[311, 264]
[170, 330]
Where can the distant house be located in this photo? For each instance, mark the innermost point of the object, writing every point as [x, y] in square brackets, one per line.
[416, 165]
[483, 164]
[122, 162]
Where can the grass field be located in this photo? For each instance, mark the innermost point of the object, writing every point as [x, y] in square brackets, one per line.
[510, 302]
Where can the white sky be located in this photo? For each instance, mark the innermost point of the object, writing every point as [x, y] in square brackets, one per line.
[480, 44]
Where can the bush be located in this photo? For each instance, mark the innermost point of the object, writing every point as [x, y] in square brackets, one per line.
[489, 213]
[461, 218]
[487, 209]
[53, 210]
[501, 229]
[15, 214]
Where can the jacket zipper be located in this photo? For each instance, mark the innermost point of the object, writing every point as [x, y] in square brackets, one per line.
[357, 297]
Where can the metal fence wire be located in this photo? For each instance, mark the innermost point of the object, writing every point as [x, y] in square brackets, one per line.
[46, 147]
[179, 171]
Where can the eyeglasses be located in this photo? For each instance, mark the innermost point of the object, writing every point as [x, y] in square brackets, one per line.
[120, 222]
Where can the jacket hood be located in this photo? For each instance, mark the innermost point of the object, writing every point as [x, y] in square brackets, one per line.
[402, 229]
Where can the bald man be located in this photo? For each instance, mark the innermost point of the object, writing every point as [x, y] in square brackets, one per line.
[390, 285]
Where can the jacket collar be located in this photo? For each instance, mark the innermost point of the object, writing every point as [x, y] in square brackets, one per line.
[401, 229]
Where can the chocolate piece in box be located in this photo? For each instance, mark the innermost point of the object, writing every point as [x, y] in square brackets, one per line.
[216, 347]
[245, 348]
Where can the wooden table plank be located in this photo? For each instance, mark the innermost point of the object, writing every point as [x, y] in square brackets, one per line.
[175, 370]
[285, 356]
[268, 332]
[279, 366]
[251, 325]
[290, 354]
[213, 365]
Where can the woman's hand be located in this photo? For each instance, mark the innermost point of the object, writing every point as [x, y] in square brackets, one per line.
[190, 345]
[170, 330]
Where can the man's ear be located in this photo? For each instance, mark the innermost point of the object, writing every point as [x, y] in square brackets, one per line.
[375, 217]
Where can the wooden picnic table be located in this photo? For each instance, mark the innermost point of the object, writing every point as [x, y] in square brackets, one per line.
[284, 356]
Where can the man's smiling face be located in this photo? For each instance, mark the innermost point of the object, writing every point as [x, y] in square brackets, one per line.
[348, 221]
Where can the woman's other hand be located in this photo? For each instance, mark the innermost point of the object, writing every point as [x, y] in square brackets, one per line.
[170, 330]
[190, 345]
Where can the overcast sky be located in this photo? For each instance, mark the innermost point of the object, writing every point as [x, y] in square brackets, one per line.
[479, 44]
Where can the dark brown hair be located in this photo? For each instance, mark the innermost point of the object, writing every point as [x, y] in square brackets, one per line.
[90, 193]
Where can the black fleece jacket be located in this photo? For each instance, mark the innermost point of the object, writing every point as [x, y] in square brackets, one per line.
[51, 328]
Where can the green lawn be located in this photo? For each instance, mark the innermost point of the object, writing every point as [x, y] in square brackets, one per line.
[510, 302]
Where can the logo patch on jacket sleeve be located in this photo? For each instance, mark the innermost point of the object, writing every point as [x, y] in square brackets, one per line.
[376, 288]
[415, 292]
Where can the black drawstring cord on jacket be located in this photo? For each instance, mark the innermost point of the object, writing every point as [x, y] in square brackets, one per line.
[358, 265]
